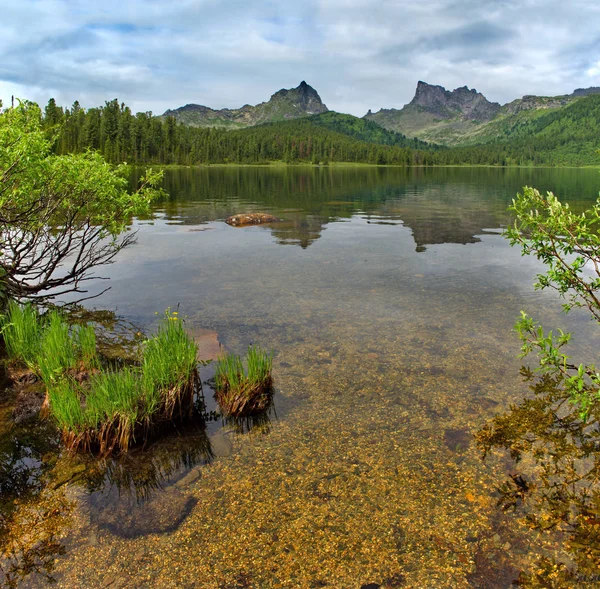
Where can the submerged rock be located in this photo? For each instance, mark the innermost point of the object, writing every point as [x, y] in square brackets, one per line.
[457, 440]
[68, 473]
[207, 340]
[164, 512]
[250, 219]
[28, 404]
[189, 478]
[31, 394]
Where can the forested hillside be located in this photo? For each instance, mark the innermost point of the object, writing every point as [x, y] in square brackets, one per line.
[567, 136]
[141, 138]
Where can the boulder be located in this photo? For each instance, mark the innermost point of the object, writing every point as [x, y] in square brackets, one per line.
[250, 219]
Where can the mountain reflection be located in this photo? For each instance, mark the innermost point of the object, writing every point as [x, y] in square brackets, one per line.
[445, 205]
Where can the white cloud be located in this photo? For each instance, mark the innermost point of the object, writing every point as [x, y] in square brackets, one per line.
[594, 71]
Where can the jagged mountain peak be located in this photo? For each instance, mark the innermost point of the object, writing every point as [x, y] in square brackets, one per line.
[303, 89]
[290, 103]
[465, 116]
[462, 102]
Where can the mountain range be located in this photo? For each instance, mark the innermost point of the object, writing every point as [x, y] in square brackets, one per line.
[463, 116]
[435, 115]
[285, 104]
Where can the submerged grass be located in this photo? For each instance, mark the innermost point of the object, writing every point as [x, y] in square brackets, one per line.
[242, 392]
[103, 409]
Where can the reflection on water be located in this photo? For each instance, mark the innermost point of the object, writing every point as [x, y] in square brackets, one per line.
[32, 514]
[448, 205]
[391, 332]
[143, 471]
[554, 486]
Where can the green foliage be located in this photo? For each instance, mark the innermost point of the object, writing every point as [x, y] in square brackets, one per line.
[567, 243]
[21, 331]
[168, 360]
[241, 392]
[536, 131]
[86, 342]
[565, 136]
[64, 210]
[114, 396]
[569, 246]
[544, 136]
[229, 372]
[65, 404]
[260, 365]
[144, 139]
[58, 349]
[365, 130]
[97, 406]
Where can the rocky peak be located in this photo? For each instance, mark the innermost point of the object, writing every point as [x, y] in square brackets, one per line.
[304, 98]
[446, 104]
[586, 91]
[285, 104]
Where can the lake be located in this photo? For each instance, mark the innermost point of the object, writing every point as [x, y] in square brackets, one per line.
[388, 297]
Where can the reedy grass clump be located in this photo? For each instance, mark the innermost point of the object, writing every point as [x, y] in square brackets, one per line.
[169, 367]
[21, 329]
[57, 353]
[86, 343]
[241, 392]
[111, 413]
[104, 409]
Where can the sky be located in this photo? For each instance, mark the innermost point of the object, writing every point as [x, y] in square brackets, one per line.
[358, 54]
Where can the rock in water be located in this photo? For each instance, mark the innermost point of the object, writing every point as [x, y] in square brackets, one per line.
[164, 512]
[250, 219]
[207, 341]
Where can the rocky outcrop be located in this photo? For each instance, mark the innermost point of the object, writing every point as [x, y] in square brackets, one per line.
[285, 104]
[462, 102]
[586, 91]
[463, 116]
[529, 102]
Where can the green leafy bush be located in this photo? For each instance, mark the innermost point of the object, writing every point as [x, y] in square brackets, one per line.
[569, 246]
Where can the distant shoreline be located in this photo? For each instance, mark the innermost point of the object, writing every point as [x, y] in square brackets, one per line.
[273, 165]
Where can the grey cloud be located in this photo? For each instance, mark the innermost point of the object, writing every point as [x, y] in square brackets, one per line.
[358, 54]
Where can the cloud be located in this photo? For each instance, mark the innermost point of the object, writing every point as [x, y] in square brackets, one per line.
[594, 71]
[358, 54]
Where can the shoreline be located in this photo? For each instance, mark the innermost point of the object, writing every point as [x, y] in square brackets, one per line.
[273, 165]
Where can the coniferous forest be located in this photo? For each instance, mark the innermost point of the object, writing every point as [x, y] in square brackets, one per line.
[569, 136]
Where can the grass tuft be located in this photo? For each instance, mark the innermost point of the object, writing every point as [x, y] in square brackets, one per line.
[21, 329]
[169, 360]
[244, 392]
[57, 350]
[86, 343]
[103, 409]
